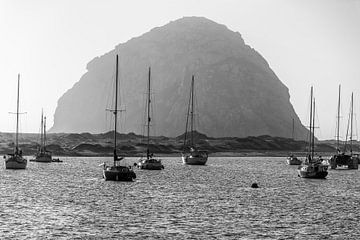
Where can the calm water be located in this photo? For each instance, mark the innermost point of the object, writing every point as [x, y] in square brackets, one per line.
[71, 200]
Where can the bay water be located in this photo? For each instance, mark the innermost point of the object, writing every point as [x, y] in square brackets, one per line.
[71, 200]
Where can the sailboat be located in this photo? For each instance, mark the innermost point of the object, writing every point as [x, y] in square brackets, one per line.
[117, 172]
[42, 154]
[312, 167]
[16, 160]
[354, 157]
[342, 159]
[191, 155]
[293, 160]
[149, 163]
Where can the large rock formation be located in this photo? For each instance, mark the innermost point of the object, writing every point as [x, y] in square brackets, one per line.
[236, 91]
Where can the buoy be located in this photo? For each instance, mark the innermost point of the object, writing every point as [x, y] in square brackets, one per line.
[254, 185]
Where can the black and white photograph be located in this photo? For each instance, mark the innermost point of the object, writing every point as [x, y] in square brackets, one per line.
[180, 119]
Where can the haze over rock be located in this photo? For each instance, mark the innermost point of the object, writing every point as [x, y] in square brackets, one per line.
[237, 94]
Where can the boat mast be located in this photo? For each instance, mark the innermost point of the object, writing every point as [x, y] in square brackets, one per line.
[41, 131]
[148, 116]
[313, 135]
[116, 108]
[44, 134]
[311, 102]
[338, 123]
[351, 121]
[187, 121]
[192, 111]
[293, 129]
[17, 117]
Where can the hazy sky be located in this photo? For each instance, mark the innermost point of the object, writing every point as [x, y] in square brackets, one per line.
[49, 42]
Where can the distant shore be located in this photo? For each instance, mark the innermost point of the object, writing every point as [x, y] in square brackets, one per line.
[218, 154]
[132, 145]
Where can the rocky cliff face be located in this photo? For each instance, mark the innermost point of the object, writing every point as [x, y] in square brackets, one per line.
[237, 94]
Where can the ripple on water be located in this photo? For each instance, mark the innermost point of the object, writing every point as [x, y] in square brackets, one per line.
[71, 200]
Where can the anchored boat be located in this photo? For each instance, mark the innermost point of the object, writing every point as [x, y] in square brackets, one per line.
[117, 172]
[150, 162]
[312, 167]
[292, 160]
[343, 159]
[42, 154]
[16, 160]
[191, 155]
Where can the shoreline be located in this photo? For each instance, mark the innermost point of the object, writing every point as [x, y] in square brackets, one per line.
[217, 154]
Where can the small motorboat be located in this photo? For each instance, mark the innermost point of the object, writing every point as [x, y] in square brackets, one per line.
[56, 160]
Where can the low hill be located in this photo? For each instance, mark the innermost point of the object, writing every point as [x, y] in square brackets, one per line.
[86, 144]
